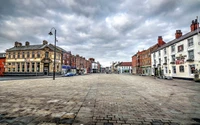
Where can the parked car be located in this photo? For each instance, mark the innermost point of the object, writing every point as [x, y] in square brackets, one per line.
[69, 74]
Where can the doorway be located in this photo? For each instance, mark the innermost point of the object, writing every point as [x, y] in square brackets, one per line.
[46, 68]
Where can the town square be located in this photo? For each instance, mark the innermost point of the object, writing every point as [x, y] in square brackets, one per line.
[99, 99]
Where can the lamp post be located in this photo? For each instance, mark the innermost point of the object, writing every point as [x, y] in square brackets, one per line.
[54, 64]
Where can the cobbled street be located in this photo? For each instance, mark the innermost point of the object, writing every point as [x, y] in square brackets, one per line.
[99, 99]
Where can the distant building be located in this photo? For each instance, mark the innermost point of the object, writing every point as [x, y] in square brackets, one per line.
[141, 61]
[124, 67]
[32, 59]
[2, 63]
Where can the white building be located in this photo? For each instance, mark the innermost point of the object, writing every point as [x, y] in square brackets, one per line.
[124, 67]
[179, 57]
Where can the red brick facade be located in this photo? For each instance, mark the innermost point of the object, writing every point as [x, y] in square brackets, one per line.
[141, 61]
[2, 64]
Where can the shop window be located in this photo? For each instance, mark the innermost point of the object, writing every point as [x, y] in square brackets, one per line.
[33, 66]
[28, 66]
[181, 68]
[192, 69]
[23, 67]
[38, 67]
[174, 69]
[18, 67]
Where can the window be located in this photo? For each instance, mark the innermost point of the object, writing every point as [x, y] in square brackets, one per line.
[165, 59]
[23, 55]
[174, 69]
[181, 68]
[18, 67]
[18, 55]
[27, 66]
[165, 51]
[38, 54]
[191, 54]
[57, 68]
[165, 69]
[190, 42]
[173, 48]
[159, 53]
[8, 69]
[9, 55]
[154, 62]
[180, 48]
[22, 67]
[28, 55]
[192, 69]
[38, 67]
[159, 61]
[173, 58]
[46, 54]
[33, 54]
[154, 55]
[13, 69]
[13, 54]
[33, 66]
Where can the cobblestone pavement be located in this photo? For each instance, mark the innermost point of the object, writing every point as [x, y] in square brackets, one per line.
[99, 99]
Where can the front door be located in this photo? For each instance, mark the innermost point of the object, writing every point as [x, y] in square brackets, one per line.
[46, 69]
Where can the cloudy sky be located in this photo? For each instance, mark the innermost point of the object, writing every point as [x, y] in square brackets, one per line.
[107, 30]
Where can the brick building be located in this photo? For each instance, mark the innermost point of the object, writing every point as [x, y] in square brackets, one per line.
[141, 61]
[2, 63]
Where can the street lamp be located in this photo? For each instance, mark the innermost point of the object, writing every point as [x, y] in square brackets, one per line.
[54, 64]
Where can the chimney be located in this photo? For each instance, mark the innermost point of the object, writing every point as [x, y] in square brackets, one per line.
[196, 24]
[178, 34]
[160, 41]
[192, 26]
[16, 43]
[27, 43]
[45, 42]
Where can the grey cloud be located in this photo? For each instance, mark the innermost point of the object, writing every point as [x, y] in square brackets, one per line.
[106, 30]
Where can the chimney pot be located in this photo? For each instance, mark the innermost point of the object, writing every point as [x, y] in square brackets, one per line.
[178, 34]
[45, 42]
[27, 43]
[16, 44]
[160, 41]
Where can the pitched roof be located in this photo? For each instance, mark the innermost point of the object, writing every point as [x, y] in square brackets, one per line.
[34, 47]
[187, 35]
[30, 47]
[2, 55]
[126, 64]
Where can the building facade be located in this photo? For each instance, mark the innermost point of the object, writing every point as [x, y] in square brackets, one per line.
[179, 58]
[124, 67]
[32, 59]
[2, 63]
[141, 61]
